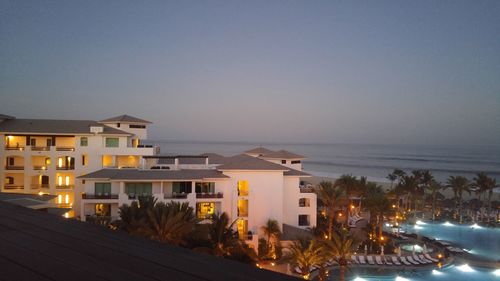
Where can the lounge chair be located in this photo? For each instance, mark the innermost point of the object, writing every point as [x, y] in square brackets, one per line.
[410, 259]
[403, 260]
[387, 261]
[430, 258]
[370, 260]
[297, 269]
[423, 259]
[354, 259]
[395, 260]
[379, 260]
[362, 259]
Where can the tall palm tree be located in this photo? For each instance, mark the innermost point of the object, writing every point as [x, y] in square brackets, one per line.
[392, 178]
[426, 179]
[304, 254]
[434, 187]
[168, 222]
[331, 197]
[272, 232]
[378, 204]
[459, 185]
[340, 247]
[222, 234]
[485, 184]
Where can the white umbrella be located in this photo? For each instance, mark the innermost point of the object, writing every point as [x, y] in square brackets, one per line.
[413, 250]
[382, 250]
[425, 249]
[399, 251]
[366, 250]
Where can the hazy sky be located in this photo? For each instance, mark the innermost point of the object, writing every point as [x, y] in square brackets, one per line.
[283, 71]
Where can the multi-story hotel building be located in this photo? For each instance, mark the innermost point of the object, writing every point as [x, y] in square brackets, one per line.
[46, 156]
[95, 167]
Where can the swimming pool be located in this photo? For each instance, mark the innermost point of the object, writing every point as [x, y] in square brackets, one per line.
[481, 242]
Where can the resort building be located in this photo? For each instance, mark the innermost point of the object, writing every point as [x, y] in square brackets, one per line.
[94, 167]
[247, 187]
[43, 156]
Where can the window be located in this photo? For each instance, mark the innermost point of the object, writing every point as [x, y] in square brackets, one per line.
[138, 188]
[10, 161]
[103, 209]
[137, 126]
[242, 226]
[84, 141]
[205, 187]
[295, 162]
[304, 202]
[180, 187]
[9, 180]
[102, 188]
[242, 188]
[118, 125]
[242, 208]
[304, 220]
[33, 142]
[283, 161]
[112, 142]
[84, 159]
[205, 210]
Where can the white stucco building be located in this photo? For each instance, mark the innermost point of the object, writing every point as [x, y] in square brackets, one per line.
[93, 167]
[41, 156]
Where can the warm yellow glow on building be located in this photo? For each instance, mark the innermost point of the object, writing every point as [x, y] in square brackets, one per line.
[243, 188]
[66, 199]
[242, 226]
[60, 162]
[67, 180]
[59, 180]
[59, 199]
[242, 208]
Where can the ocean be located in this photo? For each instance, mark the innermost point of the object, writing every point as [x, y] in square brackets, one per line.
[372, 161]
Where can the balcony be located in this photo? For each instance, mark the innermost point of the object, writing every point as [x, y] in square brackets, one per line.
[65, 168]
[176, 196]
[209, 195]
[40, 148]
[14, 167]
[99, 196]
[65, 148]
[13, 187]
[39, 168]
[132, 196]
[21, 148]
[39, 186]
[65, 186]
[307, 189]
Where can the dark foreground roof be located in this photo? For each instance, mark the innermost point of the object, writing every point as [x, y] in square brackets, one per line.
[137, 174]
[40, 246]
[49, 126]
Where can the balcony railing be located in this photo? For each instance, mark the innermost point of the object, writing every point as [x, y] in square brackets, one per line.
[13, 186]
[40, 148]
[99, 196]
[14, 167]
[65, 186]
[209, 195]
[306, 189]
[14, 148]
[39, 168]
[65, 168]
[133, 196]
[38, 186]
[176, 196]
[65, 148]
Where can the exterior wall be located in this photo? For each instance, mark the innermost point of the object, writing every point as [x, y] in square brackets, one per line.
[288, 163]
[265, 199]
[291, 206]
[138, 133]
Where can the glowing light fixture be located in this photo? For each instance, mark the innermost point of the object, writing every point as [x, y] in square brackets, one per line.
[497, 272]
[465, 268]
[67, 180]
[435, 272]
[447, 224]
[475, 226]
[66, 215]
[66, 199]
[60, 162]
[359, 279]
[399, 278]
[419, 222]
[59, 199]
[59, 180]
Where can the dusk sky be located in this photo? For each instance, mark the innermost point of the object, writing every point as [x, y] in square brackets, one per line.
[425, 72]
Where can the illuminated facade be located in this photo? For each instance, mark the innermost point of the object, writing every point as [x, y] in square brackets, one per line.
[45, 156]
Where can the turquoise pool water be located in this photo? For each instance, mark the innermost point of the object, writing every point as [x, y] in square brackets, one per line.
[482, 242]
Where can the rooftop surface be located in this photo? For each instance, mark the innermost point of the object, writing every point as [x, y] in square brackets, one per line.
[125, 119]
[52, 126]
[40, 246]
[138, 174]
[282, 154]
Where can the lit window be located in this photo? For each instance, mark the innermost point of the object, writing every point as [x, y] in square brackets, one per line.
[205, 210]
[304, 220]
[304, 202]
[242, 188]
[67, 180]
[60, 162]
[59, 199]
[59, 180]
[66, 199]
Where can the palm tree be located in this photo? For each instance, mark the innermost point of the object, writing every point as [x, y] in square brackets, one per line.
[341, 246]
[222, 234]
[169, 222]
[330, 196]
[392, 177]
[426, 179]
[485, 184]
[409, 186]
[459, 185]
[378, 204]
[434, 188]
[305, 254]
[272, 232]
